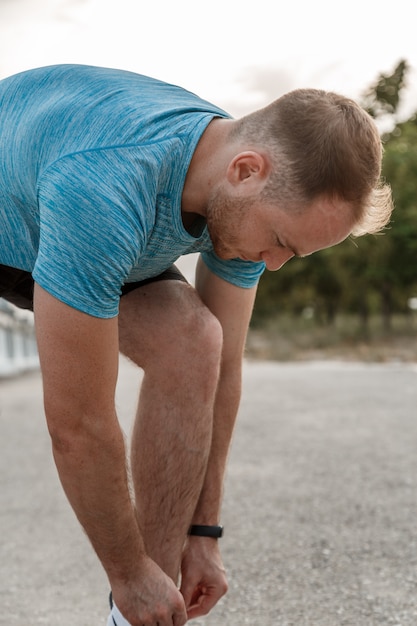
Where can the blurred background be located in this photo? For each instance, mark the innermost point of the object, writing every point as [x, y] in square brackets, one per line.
[356, 300]
[237, 54]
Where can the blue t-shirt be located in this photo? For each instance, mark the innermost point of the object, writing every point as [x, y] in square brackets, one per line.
[92, 168]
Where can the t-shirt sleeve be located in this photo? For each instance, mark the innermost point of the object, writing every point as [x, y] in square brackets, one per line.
[236, 271]
[91, 230]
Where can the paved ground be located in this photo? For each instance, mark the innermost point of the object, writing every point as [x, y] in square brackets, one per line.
[320, 510]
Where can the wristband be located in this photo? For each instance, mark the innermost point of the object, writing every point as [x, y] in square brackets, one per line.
[206, 531]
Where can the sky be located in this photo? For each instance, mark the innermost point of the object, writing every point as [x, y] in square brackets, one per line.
[239, 54]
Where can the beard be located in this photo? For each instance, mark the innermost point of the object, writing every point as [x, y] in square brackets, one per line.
[225, 216]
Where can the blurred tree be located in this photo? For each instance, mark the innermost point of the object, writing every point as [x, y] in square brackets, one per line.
[383, 97]
[391, 267]
[398, 254]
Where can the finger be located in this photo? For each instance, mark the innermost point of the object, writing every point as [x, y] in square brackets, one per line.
[202, 604]
[179, 619]
[188, 591]
[200, 609]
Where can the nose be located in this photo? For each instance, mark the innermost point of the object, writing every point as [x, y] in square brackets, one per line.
[275, 258]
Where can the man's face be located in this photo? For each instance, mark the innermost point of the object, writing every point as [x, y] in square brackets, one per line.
[253, 230]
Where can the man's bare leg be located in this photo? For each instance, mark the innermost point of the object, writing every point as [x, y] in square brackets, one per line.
[165, 329]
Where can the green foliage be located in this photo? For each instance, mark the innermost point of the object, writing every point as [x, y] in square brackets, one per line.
[383, 97]
[371, 274]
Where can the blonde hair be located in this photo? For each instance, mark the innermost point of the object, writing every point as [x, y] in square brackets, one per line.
[321, 144]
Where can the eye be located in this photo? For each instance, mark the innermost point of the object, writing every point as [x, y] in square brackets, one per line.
[279, 244]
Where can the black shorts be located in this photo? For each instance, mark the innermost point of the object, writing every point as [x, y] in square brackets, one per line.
[16, 285]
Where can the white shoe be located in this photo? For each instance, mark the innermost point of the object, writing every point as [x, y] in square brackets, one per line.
[116, 618]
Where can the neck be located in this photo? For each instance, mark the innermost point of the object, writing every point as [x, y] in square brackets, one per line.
[206, 168]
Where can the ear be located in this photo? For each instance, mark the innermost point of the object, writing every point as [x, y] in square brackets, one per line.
[250, 168]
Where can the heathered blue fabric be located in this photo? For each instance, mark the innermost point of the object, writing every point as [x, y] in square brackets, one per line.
[92, 168]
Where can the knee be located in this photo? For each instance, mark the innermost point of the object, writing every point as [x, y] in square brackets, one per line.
[171, 330]
[189, 340]
[204, 338]
[196, 357]
[195, 340]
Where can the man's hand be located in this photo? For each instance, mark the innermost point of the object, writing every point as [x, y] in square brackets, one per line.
[203, 576]
[154, 600]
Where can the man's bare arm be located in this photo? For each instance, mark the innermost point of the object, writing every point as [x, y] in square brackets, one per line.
[79, 361]
[233, 308]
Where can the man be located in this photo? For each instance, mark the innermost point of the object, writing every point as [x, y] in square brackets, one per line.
[106, 178]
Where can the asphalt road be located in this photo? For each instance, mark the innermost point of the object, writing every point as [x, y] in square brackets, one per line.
[320, 508]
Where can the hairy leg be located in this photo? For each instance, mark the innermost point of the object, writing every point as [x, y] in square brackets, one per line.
[166, 330]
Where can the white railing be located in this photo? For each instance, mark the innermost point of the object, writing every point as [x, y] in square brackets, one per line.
[18, 351]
